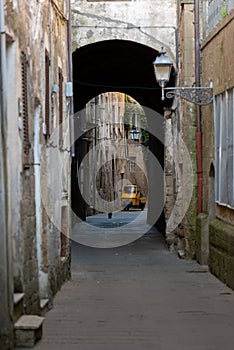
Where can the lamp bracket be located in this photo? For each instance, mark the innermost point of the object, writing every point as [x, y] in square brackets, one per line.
[198, 95]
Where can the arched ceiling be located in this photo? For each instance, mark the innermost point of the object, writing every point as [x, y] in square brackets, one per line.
[117, 65]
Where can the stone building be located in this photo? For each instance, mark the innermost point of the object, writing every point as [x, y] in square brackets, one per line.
[105, 151]
[113, 47]
[215, 225]
[35, 250]
[208, 237]
[181, 167]
[112, 158]
[118, 29]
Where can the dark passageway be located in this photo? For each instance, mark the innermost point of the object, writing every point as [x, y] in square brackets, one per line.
[126, 67]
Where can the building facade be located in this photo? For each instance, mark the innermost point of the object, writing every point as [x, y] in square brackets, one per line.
[113, 158]
[34, 107]
[215, 224]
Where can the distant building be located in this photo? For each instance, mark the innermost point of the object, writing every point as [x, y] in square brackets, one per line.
[113, 157]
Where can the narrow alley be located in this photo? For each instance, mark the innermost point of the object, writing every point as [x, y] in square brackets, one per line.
[139, 296]
[116, 174]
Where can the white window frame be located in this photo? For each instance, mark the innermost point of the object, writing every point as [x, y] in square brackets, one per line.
[224, 148]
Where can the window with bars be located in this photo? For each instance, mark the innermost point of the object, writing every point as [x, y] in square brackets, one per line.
[132, 165]
[60, 79]
[64, 228]
[25, 122]
[224, 148]
[47, 94]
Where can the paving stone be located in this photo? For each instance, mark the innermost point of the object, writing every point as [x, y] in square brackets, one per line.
[139, 296]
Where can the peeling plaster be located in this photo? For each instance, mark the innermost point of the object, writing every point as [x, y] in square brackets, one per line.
[107, 21]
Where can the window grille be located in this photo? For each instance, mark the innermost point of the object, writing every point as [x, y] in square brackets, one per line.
[24, 84]
[63, 237]
[132, 165]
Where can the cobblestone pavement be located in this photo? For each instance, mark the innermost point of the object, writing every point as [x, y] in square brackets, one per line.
[139, 296]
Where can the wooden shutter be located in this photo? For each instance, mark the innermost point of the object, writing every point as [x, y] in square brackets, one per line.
[47, 94]
[60, 79]
[24, 84]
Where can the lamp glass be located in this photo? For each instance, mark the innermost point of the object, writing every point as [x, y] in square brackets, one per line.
[162, 68]
[134, 133]
[162, 72]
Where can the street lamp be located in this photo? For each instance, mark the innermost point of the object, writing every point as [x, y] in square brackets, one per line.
[162, 68]
[134, 133]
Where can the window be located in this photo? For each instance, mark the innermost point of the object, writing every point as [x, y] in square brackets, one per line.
[64, 229]
[47, 94]
[60, 79]
[24, 85]
[224, 148]
[132, 165]
[130, 189]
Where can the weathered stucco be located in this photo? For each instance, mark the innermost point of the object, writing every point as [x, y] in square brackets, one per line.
[218, 66]
[149, 23]
[38, 267]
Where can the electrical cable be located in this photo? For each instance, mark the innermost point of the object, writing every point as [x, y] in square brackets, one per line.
[116, 86]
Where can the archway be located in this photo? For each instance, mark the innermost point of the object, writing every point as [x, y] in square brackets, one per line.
[124, 66]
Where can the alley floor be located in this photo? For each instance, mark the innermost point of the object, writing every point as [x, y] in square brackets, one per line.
[139, 296]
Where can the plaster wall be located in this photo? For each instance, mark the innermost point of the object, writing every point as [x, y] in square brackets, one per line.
[217, 65]
[180, 207]
[14, 154]
[33, 27]
[150, 23]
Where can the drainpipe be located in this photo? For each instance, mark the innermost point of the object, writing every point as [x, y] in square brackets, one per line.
[6, 287]
[198, 108]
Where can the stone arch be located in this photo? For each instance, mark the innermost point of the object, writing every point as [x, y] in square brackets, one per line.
[152, 24]
[118, 65]
[122, 66]
[143, 39]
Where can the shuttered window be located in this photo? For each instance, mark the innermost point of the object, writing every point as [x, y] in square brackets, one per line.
[24, 82]
[60, 79]
[47, 94]
[224, 148]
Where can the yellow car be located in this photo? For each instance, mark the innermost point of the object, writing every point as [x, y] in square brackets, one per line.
[132, 197]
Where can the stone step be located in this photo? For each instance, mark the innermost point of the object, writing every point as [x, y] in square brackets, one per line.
[28, 330]
[18, 305]
[44, 305]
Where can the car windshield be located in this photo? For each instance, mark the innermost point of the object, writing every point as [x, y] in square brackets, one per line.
[129, 189]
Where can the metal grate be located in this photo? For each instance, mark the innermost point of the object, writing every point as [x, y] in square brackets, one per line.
[24, 82]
